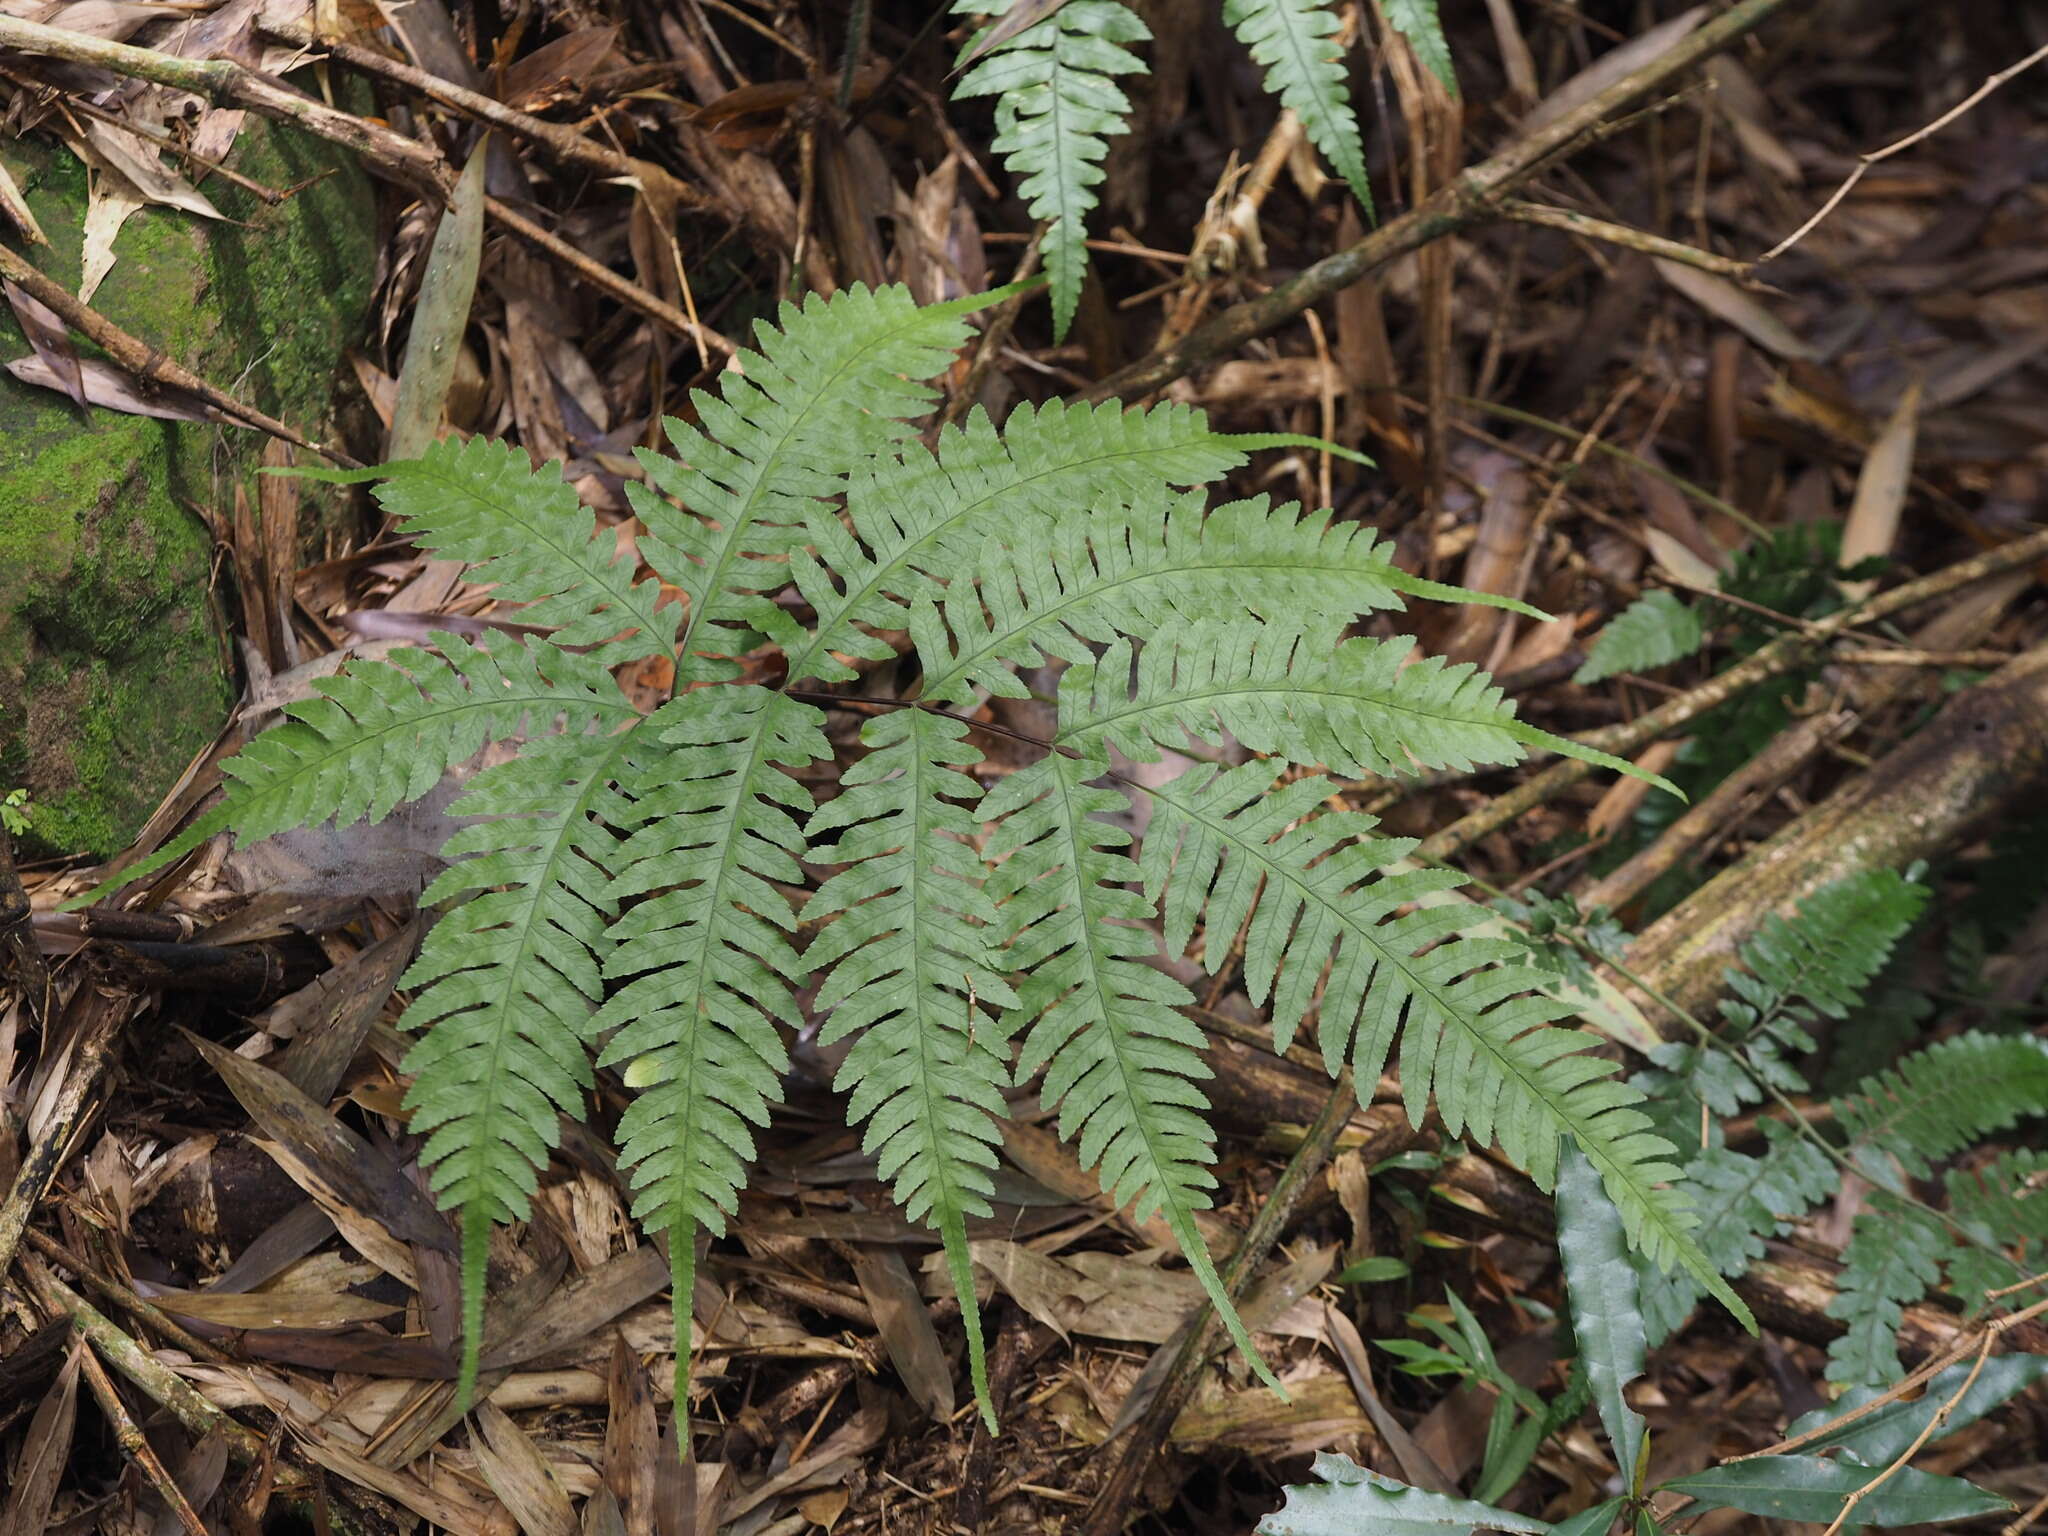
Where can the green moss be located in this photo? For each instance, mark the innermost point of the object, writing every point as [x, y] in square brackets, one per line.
[112, 669]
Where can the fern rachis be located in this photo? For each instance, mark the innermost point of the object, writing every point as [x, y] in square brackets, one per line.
[635, 888]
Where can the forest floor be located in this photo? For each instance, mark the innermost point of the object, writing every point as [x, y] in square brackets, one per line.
[200, 1096]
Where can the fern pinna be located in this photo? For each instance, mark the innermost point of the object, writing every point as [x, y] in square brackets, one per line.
[628, 895]
[1053, 70]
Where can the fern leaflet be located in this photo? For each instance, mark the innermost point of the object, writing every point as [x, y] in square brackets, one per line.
[1057, 104]
[1305, 70]
[1653, 631]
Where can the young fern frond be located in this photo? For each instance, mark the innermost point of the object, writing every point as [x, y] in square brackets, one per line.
[1305, 71]
[1651, 632]
[1057, 105]
[909, 963]
[835, 383]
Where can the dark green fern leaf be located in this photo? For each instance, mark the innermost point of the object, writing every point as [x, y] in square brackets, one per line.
[1057, 106]
[909, 965]
[1942, 1099]
[1894, 1258]
[1120, 1060]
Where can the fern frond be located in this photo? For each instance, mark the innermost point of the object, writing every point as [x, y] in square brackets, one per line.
[1651, 632]
[524, 532]
[1305, 69]
[1243, 850]
[1153, 565]
[2004, 1204]
[1740, 1201]
[1120, 1063]
[383, 733]
[1942, 1099]
[919, 519]
[1893, 1259]
[906, 956]
[836, 382]
[1417, 21]
[1057, 105]
[1296, 691]
[1827, 957]
[704, 954]
[509, 980]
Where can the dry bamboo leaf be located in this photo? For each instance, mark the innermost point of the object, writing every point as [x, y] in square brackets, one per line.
[328, 1020]
[113, 21]
[52, 342]
[829, 1462]
[343, 1161]
[442, 314]
[1680, 563]
[116, 390]
[601, 1514]
[583, 1306]
[45, 1451]
[1746, 109]
[273, 1309]
[16, 207]
[1611, 66]
[1726, 302]
[519, 1475]
[906, 1327]
[533, 82]
[1887, 473]
[135, 161]
[440, 1503]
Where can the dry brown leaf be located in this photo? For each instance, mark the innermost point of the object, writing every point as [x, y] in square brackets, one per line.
[632, 1439]
[1678, 561]
[1615, 64]
[52, 342]
[108, 386]
[1881, 486]
[906, 1327]
[136, 161]
[1726, 302]
[273, 1309]
[16, 207]
[45, 1451]
[569, 60]
[519, 1475]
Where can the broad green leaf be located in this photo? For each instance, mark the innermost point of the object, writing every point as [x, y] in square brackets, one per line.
[1590, 1522]
[1813, 1488]
[1884, 1433]
[1351, 1501]
[1607, 1318]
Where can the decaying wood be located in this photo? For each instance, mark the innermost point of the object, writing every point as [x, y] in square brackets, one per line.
[1984, 752]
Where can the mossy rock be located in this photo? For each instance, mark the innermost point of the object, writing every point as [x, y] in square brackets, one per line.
[114, 663]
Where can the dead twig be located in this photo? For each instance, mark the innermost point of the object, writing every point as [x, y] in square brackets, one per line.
[1875, 157]
[1473, 198]
[1544, 216]
[136, 1448]
[144, 361]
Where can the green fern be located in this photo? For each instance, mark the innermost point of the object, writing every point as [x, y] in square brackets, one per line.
[1291, 38]
[1057, 105]
[1653, 631]
[1894, 1257]
[633, 885]
[1057, 101]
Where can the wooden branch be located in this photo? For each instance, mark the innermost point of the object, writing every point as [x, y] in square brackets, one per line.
[141, 359]
[226, 83]
[1985, 751]
[1473, 198]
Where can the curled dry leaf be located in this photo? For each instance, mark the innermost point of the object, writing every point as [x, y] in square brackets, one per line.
[106, 385]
